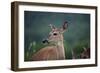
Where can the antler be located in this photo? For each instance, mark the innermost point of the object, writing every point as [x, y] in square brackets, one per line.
[52, 26]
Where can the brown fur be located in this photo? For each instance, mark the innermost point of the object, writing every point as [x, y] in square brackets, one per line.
[47, 53]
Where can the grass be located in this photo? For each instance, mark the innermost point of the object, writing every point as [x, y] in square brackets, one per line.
[77, 48]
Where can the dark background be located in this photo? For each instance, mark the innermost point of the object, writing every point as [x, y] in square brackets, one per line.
[36, 28]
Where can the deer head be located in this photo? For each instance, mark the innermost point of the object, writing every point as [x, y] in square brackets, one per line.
[56, 34]
[86, 53]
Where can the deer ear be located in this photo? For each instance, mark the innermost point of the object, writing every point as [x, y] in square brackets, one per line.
[64, 27]
[52, 26]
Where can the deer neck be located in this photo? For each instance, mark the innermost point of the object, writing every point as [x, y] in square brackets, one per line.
[60, 44]
[60, 47]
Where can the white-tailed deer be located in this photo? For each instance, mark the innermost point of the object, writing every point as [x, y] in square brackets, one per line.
[55, 51]
[84, 55]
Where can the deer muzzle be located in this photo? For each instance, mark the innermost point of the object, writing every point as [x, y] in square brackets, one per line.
[45, 41]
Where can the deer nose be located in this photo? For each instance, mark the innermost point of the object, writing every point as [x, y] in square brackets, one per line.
[45, 41]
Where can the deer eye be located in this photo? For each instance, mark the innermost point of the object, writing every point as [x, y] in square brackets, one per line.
[55, 34]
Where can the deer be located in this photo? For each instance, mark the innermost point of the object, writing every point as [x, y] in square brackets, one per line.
[83, 55]
[86, 53]
[54, 51]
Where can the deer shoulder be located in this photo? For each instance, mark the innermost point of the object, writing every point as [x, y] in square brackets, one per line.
[47, 53]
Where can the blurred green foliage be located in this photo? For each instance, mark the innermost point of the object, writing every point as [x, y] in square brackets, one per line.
[36, 28]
